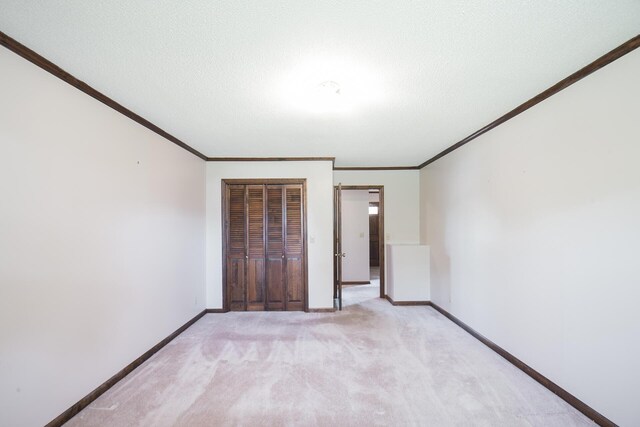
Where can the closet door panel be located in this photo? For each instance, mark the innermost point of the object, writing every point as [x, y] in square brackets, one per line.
[275, 284]
[255, 285]
[295, 285]
[236, 247]
[294, 248]
[236, 284]
[255, 247]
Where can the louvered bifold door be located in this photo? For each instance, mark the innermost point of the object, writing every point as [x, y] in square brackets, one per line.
[236, 247]
[255, 248]
[294, 248]
[275, 248]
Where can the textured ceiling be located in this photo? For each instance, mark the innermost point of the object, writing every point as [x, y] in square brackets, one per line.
[240, 78]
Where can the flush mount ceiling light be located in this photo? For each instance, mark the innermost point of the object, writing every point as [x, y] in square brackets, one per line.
[330, 88]
[326, 97]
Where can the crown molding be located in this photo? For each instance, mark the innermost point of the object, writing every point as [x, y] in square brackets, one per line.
[375, 168]
[33, 57]
[271, 159]
[604, 60]
[52, 68]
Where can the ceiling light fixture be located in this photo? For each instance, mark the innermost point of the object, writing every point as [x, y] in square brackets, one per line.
[326, 97]
[330, 88]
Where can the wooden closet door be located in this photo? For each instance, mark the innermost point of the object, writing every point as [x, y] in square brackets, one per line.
[275, 248]
[255, 247]
[236, 247]
[294, 248]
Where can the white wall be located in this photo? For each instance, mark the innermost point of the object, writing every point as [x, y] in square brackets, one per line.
[534, 230]
[408, 272]
[102, 226]
[355, 235]
[319, 222]
[401, 200]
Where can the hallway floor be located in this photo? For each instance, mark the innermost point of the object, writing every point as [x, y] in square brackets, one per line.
[371, 364]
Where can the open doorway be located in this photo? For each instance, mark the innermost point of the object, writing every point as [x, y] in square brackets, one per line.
[359, 238]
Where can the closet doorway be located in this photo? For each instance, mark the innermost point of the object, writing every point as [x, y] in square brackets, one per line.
[264, 245]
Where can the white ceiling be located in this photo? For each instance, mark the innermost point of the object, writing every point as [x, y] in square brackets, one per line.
[235, 78]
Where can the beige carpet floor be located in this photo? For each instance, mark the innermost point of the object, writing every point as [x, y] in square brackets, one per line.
[371, 364]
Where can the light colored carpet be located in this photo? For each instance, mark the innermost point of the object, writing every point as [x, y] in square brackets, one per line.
[371, 364]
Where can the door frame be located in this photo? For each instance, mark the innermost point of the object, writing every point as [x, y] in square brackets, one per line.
[263, 181]
[381, 239]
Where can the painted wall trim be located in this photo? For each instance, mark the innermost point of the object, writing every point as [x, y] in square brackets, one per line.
[86, 401]
[31, 56]
[588, 411]
[604, 60]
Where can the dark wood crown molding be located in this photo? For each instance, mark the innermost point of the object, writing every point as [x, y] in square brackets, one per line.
[272, 159]
[375, 168]
[261, 181]
[605, 59]
[52, 68]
